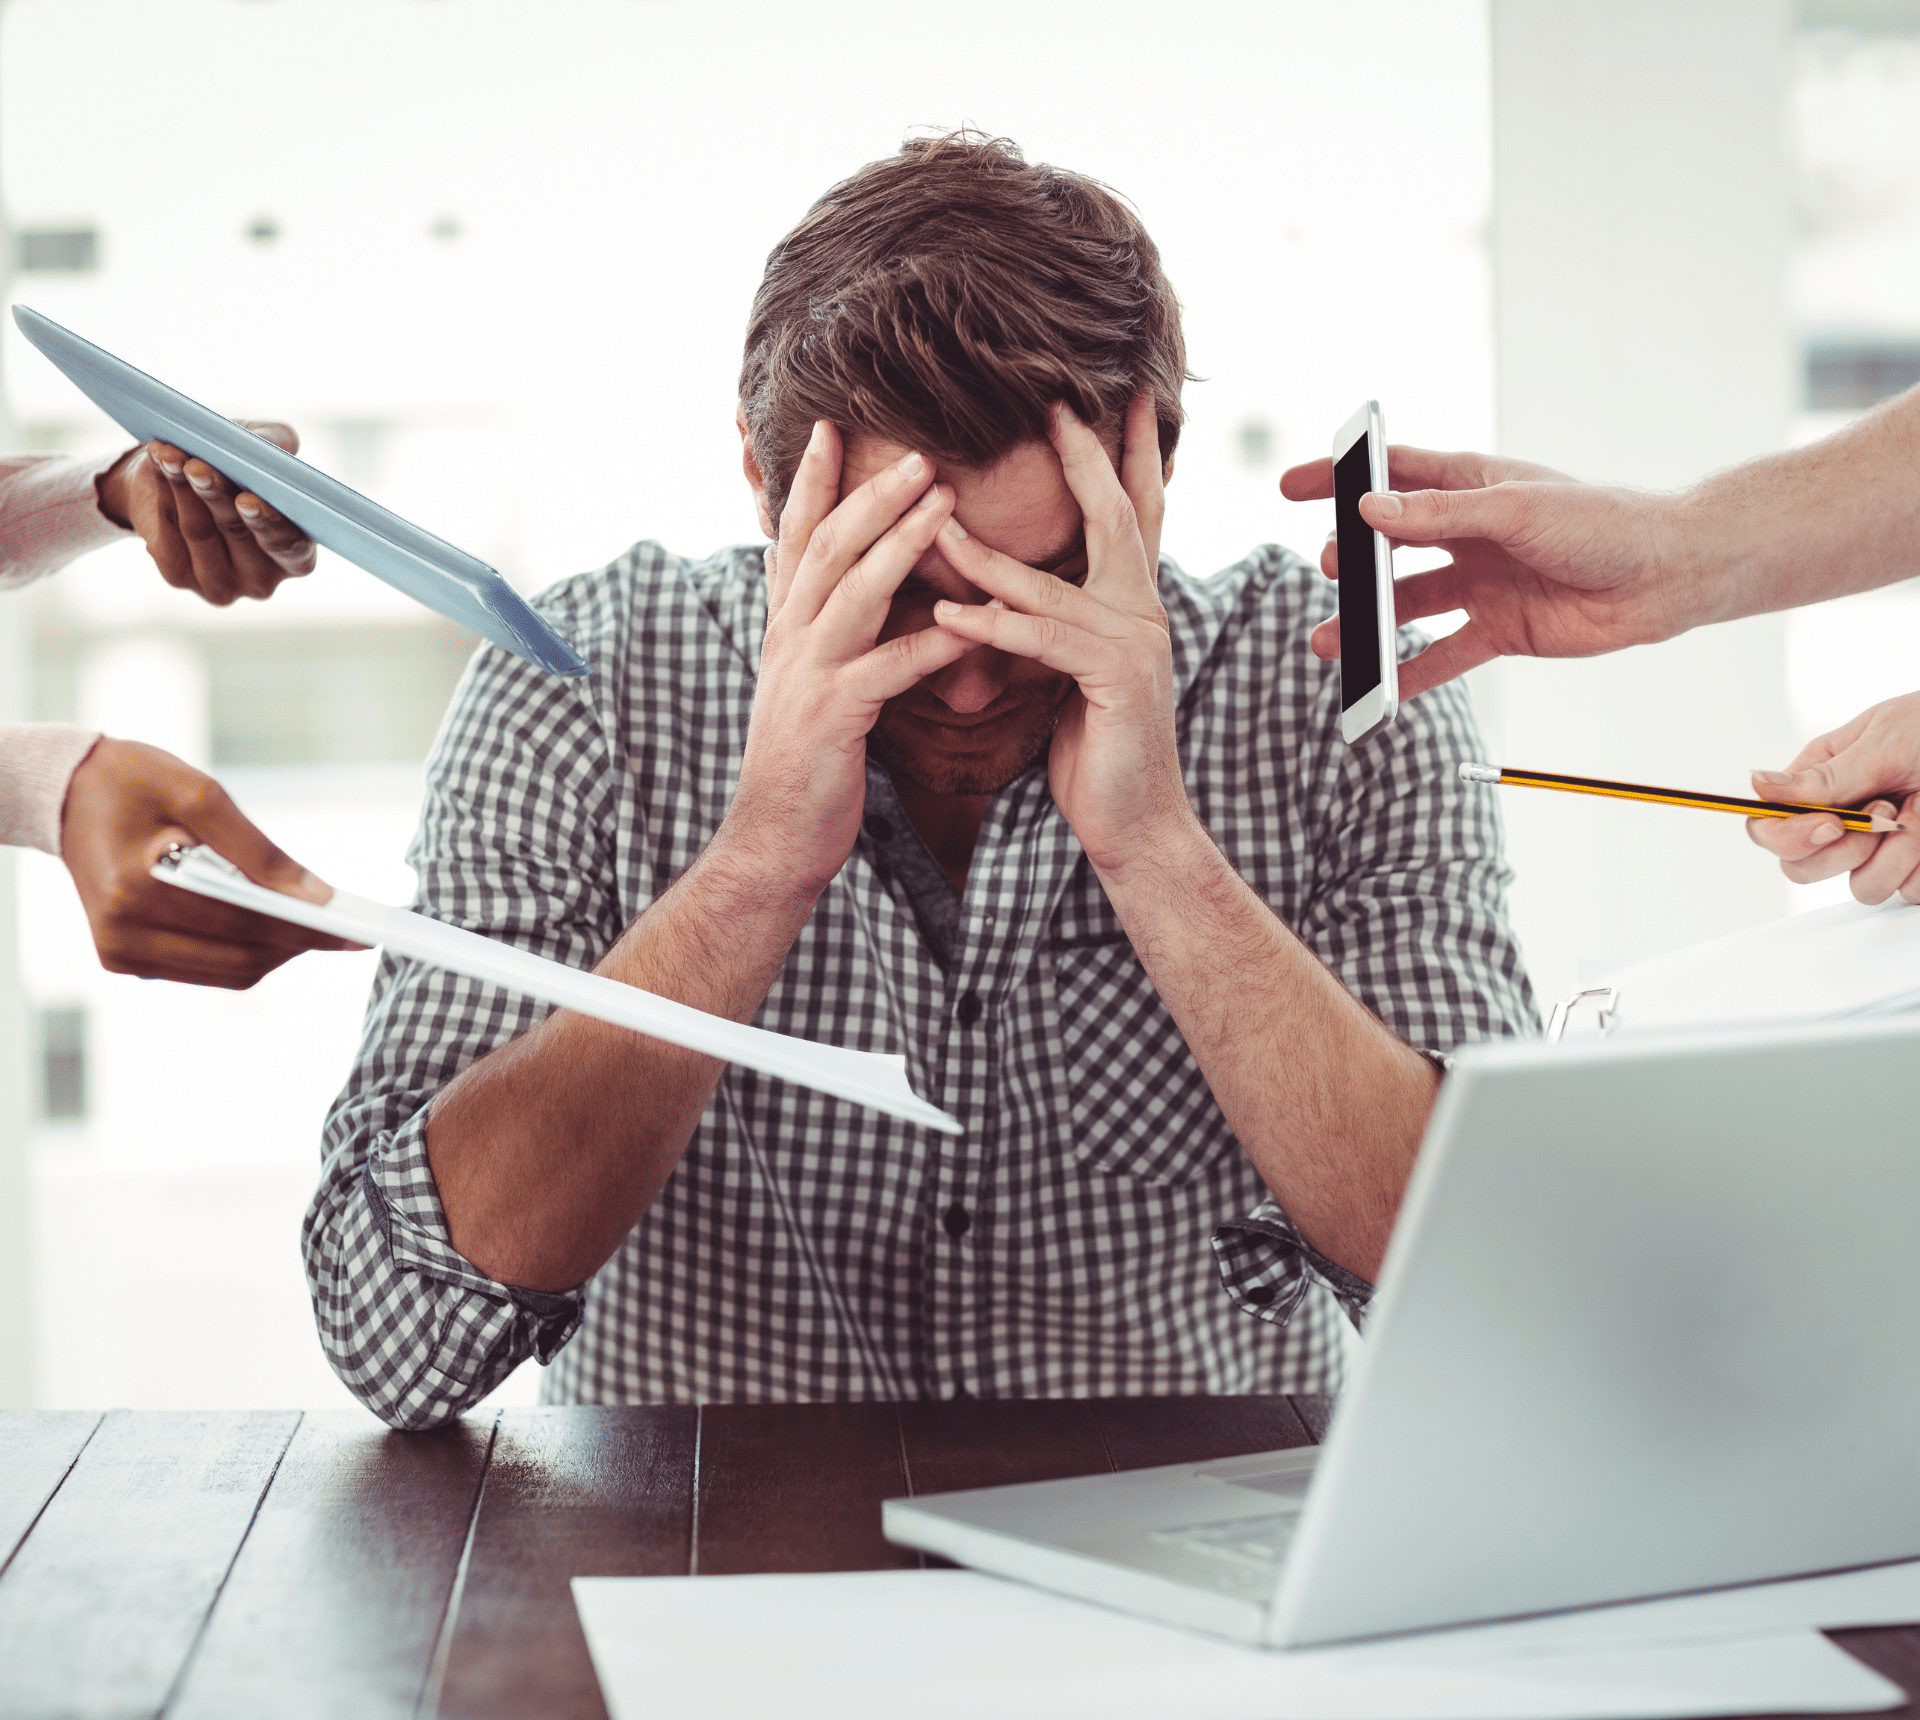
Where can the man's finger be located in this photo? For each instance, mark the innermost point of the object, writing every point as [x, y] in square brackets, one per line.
[888, 670]
[1026, 588]
[852, 529]
[282, 436]
[155, 952]
[1413, 468]
[1143, 473]
[1041, 638]
[810, 498]
[856, 608]
[1117, 568]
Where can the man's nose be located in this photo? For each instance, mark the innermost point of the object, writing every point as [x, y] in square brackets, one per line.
[971, 684]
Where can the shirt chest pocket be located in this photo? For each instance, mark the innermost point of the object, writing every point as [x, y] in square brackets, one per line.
[1140, 1106]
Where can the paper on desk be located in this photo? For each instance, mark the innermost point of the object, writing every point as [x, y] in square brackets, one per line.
[1839, 963]
[864, 1077]
[955, 1645]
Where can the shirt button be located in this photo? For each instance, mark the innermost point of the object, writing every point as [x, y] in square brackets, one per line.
[1259, 1295]
[957, 1220]
[970, 1007]
[879, 829]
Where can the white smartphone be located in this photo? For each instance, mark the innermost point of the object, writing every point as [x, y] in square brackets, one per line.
[1369, 664]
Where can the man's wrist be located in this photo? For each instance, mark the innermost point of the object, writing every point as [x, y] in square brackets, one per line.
[1173, 852]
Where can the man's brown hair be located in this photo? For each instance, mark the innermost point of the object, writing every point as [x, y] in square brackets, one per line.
[945, 297]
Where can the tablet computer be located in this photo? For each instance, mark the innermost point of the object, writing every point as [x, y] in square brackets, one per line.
[429, 570]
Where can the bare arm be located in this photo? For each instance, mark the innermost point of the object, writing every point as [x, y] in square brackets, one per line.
[549, 1150]
[1336, 1138]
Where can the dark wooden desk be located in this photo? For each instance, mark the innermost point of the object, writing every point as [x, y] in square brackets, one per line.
[272, 1563]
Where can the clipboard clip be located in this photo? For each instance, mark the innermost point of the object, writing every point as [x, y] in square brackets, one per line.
[1563, 1010]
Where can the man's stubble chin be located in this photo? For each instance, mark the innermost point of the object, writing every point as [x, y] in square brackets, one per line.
[940, 775]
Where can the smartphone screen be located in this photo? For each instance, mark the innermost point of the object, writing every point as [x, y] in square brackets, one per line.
[1359, 592]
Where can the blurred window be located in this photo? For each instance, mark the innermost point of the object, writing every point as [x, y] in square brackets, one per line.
[1848, 376]
[330, 695]
[63, 1064]
[59, 250]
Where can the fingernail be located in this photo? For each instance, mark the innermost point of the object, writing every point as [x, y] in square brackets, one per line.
[946, 606]
[171, 470]
[205, 483]
[1821, 834]
[1387, 505]
[995, 603]
[1773, 778]
[819, 434]
[249, 507]
[1067, 413]
[953, 528]
[912, 466]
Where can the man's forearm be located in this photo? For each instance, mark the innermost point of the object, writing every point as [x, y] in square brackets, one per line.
[1837, 516]
[1329, 1104]
[549, 1150]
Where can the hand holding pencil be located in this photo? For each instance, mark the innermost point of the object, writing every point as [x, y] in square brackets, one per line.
[1874, 761]
[1849, 803]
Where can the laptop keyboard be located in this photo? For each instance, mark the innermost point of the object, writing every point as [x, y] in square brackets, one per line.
[1257, 1543]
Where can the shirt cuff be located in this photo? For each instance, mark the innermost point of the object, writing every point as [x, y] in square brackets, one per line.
[50, 514]
[405, 1203]
[1267, 1266]
[37, 762]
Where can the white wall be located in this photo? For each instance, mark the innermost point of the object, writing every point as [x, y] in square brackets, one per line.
[1641, 336]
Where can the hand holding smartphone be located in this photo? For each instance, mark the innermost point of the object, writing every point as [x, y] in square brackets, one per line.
[1369, 663]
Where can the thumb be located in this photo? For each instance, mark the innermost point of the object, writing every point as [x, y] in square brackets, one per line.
[1434, 516]
[272, 430]
[1849, 778]
[225, 829]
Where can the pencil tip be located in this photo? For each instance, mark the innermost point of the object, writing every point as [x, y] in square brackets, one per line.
[1882, 826]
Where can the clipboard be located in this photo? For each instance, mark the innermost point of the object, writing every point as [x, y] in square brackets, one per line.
[861, 1077]
[430, 571]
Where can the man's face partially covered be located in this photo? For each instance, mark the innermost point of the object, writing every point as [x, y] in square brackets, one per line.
[975, 725]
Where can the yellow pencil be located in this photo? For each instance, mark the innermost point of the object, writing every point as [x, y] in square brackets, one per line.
[1871, 822]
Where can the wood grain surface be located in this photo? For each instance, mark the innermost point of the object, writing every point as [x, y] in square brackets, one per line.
[205, 1566]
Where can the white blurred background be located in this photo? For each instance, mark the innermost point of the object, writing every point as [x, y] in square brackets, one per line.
[494, 261]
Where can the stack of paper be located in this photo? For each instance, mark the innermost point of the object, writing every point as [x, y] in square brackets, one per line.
[1846, 962]
[954, 1645]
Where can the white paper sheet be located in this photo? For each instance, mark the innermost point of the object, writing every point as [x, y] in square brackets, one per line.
[1843, 962]
[864, 1077]
[954, 1645]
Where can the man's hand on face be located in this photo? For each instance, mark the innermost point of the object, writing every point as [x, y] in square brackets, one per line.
[1543, 565]
[1114, 766]
[823, 676]
[203, 533]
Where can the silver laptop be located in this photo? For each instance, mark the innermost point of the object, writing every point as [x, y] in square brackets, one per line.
[1649, 1323]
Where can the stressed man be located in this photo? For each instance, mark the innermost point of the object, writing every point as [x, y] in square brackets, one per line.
[959, 769]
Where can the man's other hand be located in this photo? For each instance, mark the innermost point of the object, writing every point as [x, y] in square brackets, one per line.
[1872, 762]
[1543, 565]
[203, 533]
[823, 674]
[126, 805]
[1114, 765]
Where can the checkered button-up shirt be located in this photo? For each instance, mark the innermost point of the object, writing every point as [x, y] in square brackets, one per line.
[1075, 1239]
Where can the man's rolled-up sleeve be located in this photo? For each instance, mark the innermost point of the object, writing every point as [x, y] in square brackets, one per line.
[520, 804]
[413, 1329]
[1267, 1267]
